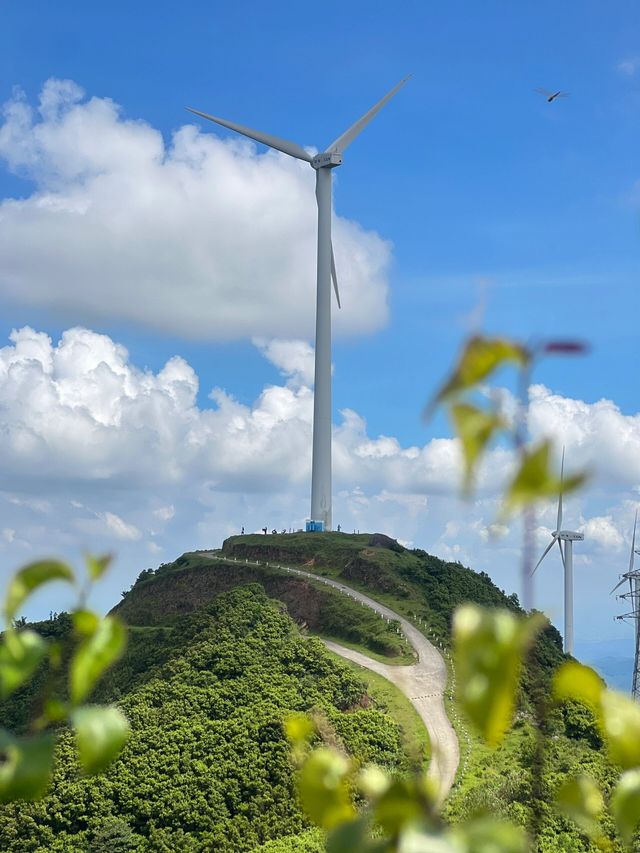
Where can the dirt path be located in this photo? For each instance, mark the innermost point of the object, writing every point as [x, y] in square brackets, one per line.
[423, 683]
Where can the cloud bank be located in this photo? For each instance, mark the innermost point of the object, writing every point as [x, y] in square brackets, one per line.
[201, 237]
[96, 452]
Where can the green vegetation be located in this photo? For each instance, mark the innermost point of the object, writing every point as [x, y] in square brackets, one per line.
[415, 584]
[207, 765]
[413, 732]
[56, 671]
[586, 799]
[177, 588]
[215, 665]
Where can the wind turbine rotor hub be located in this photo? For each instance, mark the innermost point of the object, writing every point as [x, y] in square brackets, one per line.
[327, 160]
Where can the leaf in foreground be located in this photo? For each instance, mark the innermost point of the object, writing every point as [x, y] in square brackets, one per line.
[25, 766]
[101, 732]
[20, 655]
[354, 835]
[490, 835]
[475, 429]
[489, 647]
[580, 800]
[97, 566]
[620, 720]
[94, 655]
[480, 357]
[577, 681]
[29, 578]
[324, 789]
[625, 804]
[534, 480]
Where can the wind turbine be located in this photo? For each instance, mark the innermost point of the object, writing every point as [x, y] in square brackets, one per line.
[633, 576]
[323, 163]
[568, 537]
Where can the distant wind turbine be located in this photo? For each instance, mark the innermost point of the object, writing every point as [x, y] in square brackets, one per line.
[633, 576]
[568, 537]
[323, 163]
[551, 96]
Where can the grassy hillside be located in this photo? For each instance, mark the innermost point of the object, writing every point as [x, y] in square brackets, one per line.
[216, 661]
[208, 766]
[178, 588]
[415, 583]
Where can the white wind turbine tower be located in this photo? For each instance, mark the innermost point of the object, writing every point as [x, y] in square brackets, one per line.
[633, 576]
[568, 537]
[323, 163]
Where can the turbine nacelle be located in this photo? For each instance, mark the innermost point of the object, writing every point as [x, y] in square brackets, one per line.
[568, 535]
[327, 160]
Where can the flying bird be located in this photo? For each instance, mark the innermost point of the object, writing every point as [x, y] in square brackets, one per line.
[551, 96]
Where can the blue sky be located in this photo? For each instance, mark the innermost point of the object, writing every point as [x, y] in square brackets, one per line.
[490, 197]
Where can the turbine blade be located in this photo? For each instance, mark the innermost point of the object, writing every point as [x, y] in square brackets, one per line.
[335, 277]
[618, 585]
[559, 527]
[564, 564]
[291, 148]
[349, 135]
[633, 543]
[544, 554]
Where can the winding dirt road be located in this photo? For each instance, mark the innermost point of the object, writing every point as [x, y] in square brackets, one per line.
[423, 683]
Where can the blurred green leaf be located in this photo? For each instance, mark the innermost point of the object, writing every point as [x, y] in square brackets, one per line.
[534, 480]
[94, 655]
[414, 840]
[25, 766]
[101, 732]
[373, 781]
[352, 836]
[20, 655]
[298, 729]
[324, 789]
[576, 681]
[620, 720]
[489, 835]
[55, 711]
[85, 622]
[625, 804]
[489, 647]
[29, 578]
[97, 566]
[403, 804]
[480, 357]
[475, 429]
[580, 800]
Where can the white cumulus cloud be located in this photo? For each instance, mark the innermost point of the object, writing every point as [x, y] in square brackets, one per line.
[629, 66]
[602, 530]
[119, 527]
[198, 236]
[294, 358]
[165, 513]
[597, 436]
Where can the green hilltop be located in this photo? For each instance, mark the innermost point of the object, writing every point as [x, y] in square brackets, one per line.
[220, 653]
